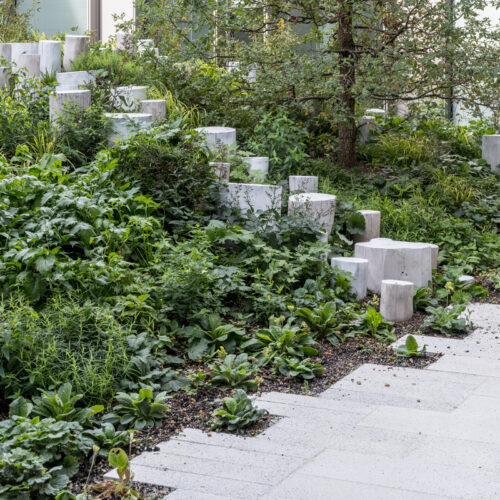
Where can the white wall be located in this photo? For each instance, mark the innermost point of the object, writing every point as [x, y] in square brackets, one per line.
[108, 9]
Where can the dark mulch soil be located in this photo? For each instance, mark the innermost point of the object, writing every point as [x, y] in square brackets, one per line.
[494, 295]
[195, 410]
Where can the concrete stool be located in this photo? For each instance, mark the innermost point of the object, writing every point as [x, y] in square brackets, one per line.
[157, 108]
[127, 99]
[74, 45]
[74, 80]
[376, 112]
[359, 270]
[315, 206]
[396, 300]
[5, 53]
[396, 260]
[222, 170]
[256, 197]
[372, 226]
[491, 151]
[217, 137]
[366, 125]
[59, 103]
[303, 183]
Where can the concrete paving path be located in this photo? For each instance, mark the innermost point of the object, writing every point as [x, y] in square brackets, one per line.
[379, 433]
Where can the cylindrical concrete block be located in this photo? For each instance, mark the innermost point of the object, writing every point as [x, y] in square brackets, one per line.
[372, 225]
[376, 112]
[128, 98]
[157, 108]
[491, 151]
[366, 125]
[65, 99]
[466, 280]
[50, 56]
[303, 183]
[74, 45]
[31, 64]
[19, 48]
[5, 54]
[315, 206]
[126, 125]
[251, 197]
[222, 170]
[257, 164]
[396, 260]
[125, 41]
[5, 73]
[396, 300]
[359, 270]
[74, 80]
[434, 255]
[145, 44]
[218, 137]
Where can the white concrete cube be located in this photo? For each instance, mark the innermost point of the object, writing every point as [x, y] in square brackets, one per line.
[74, 45]
[491, 151]
[128, 98]
[372, 226]
[257, 164]
[218, 137]
[5, 54]
[222, 170]
[315, 206]
[50, 56]
[74, 80]
[157, 108]
[396, 300]
[303, 183]
[63, 100]
[126, 125]
[30, 63]
[359, 270]
[366, 125]
[256, 197]
[397, 260]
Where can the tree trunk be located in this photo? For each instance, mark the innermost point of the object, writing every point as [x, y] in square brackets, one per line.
[347, 66]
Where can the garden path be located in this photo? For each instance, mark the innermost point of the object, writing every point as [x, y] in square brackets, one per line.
[379, 433]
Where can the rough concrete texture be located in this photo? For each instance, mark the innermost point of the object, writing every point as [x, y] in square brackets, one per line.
[74, 45]
[222, 170]
[50, 56]
[491, 151]
[256, 197]
[157, 108]
[372, 226]
[126, 125]
[317, 207]
[379, 433]
[396, 300]
[303, 184]
[257, 164]
[358, 268]
[74, 80]
[397, 260]
[128, 99]
[218, 137]
[30, 63]
[63, 100]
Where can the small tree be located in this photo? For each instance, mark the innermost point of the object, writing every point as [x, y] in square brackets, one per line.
[338, 56]
[15, 26]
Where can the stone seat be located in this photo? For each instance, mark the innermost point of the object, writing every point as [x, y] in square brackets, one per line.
[396, 260]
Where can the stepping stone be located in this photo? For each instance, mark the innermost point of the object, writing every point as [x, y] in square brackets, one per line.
[467, 365]
[404, 387]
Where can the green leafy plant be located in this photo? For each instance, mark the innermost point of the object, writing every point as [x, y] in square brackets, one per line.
[285, 339]
[323, 321]
[371, 323]
[235, 371]
[447, 321]
[410, 349]
[422, 298]
[295, 368]
[60, 405]
[107, 437]
[138, 410]
[237, 412]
